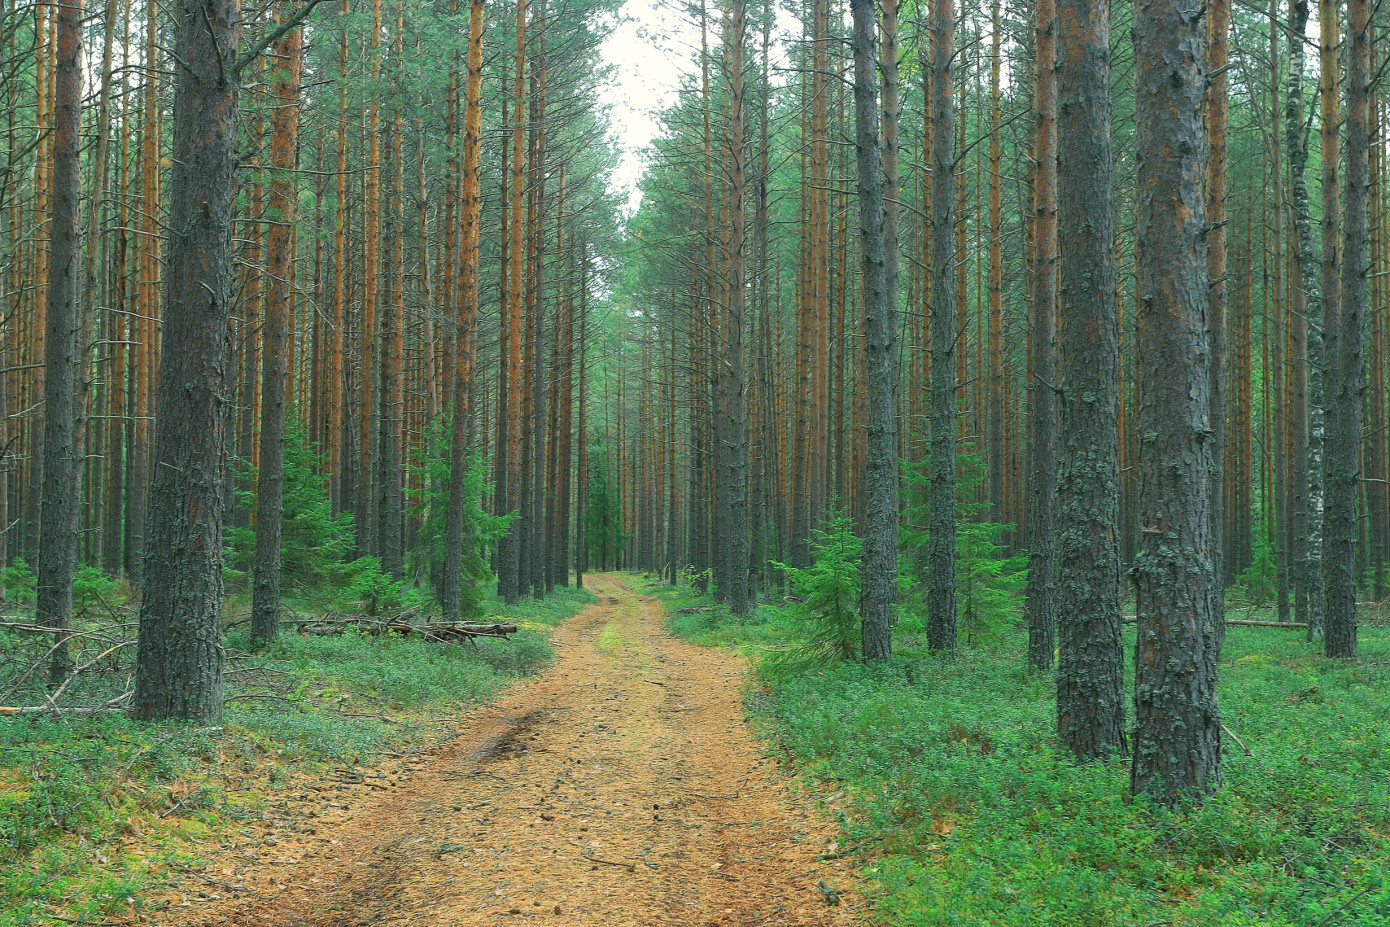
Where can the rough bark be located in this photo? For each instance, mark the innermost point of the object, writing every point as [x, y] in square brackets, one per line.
[881, 480]
[1040, 604]
[1306, 339]
[275, 338]
[1218, 54]
[1177, 748]
[508, 555]
[1346, 373]
[733, 489]
[995, 417]
[62, 397]
[179, 666]
[945, 333]
[471, 208]
[1090, 687]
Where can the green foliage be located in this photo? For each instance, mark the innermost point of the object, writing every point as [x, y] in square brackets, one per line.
[18, 582]
[369, 589]
[314, 541]
[603, 512]
[480, 530]
[95, 592]
[971, 814]
[1258, 583]
[697, 617]
[826, 598]
[989, 582]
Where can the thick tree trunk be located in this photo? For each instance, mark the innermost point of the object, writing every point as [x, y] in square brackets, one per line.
[1345, 331]
[1090, 686]
[733, 488]
[1042, 333]
[946, 331]
[880, 520]
[1177, 749]
[275, 337]
[179, 667]
[63, 348]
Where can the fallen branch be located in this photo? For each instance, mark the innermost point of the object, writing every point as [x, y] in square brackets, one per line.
[89, 711]
[630, 867]
[1243, 747]
[1246, 622]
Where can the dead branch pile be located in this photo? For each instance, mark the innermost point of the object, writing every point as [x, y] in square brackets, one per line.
[438, 632]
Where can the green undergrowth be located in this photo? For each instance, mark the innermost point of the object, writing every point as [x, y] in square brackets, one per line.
[945, 774]
[94, 811]
[699, 619]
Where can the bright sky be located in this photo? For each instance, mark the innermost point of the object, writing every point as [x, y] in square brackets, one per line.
[653, 45]
[649, 50]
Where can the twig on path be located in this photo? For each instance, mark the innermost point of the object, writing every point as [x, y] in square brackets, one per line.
[584, 852]
[738, 789]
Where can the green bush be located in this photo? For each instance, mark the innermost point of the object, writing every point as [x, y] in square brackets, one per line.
[989, 582]
[18, 582]
[481, 531]
[314, 542]
[826, 597]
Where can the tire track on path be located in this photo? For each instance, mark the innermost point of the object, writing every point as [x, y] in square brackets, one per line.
[620, 788]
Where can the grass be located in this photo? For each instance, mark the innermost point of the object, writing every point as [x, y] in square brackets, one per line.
[946, 776]
[92, 812]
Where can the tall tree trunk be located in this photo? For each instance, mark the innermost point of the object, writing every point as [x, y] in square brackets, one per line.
[1305, 319]
[1090, 685]
[1177, 749]
[946, 331]
[733, 489]
[179, 666]
[1345, 331]
[996, 279]
[509, 553]
[471, 208]
[1042, 352]
[536, 538]
[149, 268]
[338, 455]
[63, 348]
[1218, 53]
[275, 335]
[1330, 267]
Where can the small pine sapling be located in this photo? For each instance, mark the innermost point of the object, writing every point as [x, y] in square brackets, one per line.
[989, 582]
[481, 530]
[314, 542]
[826, 597]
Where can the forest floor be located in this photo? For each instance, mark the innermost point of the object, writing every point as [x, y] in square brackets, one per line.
[621, 787]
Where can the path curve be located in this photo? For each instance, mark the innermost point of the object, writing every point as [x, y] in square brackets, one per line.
[622, 787]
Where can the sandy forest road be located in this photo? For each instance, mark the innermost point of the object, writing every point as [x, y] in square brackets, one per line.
[620, 788]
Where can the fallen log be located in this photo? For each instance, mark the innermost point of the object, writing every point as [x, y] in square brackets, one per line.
[453, 631]
[1248, 623]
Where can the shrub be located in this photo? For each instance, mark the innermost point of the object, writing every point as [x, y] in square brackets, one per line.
[826, 597]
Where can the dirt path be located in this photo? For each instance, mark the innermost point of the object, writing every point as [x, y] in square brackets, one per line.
[622, 787]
